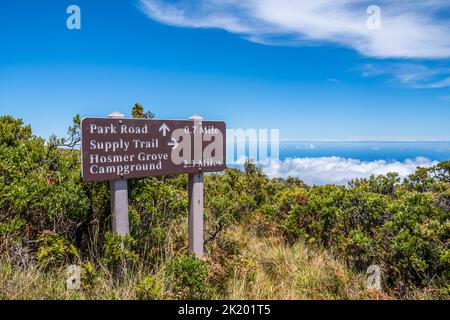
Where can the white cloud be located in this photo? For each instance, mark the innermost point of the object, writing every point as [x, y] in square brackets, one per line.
[336, 170]
[411, 75]
[444, 83]
[409, 28]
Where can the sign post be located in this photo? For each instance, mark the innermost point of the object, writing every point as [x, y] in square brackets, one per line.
[116, 149]
[119, 199]
[195, 192]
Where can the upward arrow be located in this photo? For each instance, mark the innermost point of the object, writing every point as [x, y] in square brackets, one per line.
[164, 128]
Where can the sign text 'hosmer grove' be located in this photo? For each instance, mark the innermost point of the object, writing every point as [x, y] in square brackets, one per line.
[114, 148]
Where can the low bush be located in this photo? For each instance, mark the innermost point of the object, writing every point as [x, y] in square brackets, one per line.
[188, 277]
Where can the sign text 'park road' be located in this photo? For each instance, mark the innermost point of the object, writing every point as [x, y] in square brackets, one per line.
[120, 148]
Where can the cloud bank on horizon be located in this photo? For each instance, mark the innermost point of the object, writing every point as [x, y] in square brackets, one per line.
[413, 29]
[337, 170]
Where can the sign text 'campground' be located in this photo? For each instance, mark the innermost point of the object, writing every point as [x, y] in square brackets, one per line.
[114, 148]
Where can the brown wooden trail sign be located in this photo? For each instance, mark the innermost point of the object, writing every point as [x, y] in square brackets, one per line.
[117, 149]
[114, 148]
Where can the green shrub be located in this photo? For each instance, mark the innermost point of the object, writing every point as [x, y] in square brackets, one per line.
[119, 250]
[55, 251]
[379, 221]
[11, 231]
[404, 226]
[188, 277]
[148, 288]
[89, 275]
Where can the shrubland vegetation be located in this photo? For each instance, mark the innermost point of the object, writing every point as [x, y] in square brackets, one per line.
[264, 238]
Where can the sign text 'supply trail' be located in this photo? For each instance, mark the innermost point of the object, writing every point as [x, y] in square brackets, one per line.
[114, 149]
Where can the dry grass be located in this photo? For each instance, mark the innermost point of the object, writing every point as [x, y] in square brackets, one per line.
[266, 268]
[270, 269]
[33, 283]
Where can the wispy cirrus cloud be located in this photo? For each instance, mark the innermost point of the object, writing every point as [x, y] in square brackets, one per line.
[409, 29]
[411, 75]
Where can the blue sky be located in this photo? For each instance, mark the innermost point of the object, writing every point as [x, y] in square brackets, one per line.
[313, 75]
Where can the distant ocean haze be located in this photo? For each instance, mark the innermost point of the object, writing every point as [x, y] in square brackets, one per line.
[330, 162]
[367, 151]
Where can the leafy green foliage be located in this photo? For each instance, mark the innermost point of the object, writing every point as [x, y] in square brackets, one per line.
[89, 275]
[148, 288]
[189, 277]
[47, 211]
[155, 205]
[119, 250]
[138, 112]
[13, 132]
[55, 251]
[379, 221]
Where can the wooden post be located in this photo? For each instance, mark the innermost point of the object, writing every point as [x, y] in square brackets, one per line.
[195, 192]
[119, 200]
[119, 206]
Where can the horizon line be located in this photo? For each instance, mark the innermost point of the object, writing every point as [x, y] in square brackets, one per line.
[368, 141]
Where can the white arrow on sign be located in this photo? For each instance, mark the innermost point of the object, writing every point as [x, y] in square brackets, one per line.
[173, 143]
[164, 128]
